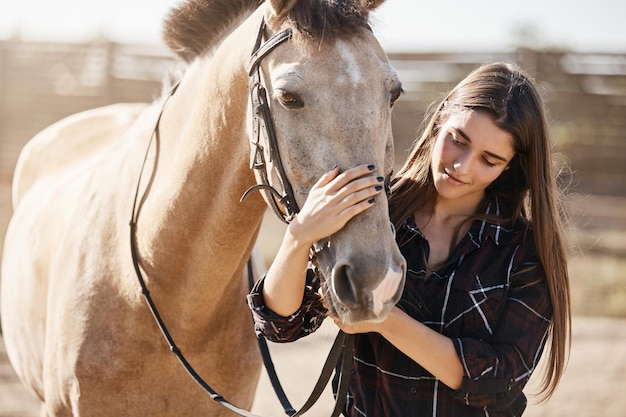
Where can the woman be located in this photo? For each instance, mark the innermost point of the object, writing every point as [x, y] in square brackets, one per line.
[476, 209]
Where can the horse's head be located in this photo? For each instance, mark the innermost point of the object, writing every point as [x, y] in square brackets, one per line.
[330, 92]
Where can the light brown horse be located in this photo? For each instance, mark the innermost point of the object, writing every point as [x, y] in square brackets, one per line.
[76, 327]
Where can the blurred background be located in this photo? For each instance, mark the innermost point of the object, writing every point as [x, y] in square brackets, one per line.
[61, 57]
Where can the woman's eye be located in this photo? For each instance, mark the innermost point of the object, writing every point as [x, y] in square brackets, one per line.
[455, 140]
[489, 163]
[290, 101]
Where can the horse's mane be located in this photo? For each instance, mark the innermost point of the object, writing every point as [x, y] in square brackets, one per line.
[195, 26]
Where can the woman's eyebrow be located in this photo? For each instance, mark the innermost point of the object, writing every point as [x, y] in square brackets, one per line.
[491, 154]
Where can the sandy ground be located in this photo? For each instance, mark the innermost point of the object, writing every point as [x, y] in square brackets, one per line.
[593, 385]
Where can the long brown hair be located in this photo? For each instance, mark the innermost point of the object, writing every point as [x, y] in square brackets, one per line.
[527, 189]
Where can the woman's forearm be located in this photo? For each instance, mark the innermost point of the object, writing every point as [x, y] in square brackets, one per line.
[285, 280]
[432, 350]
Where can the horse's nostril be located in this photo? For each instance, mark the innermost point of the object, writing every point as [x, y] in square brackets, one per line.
[343, 282]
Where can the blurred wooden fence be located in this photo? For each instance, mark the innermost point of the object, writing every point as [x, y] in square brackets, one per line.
[586, 95]
[43, 82]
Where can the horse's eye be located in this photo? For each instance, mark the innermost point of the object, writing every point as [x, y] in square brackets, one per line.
[289, 100]
[395, 95]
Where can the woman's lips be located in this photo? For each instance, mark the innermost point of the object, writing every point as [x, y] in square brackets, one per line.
[451, 178]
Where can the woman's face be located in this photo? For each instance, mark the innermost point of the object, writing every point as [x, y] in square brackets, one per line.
[470, 152]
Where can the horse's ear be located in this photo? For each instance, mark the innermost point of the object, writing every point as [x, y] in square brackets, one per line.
[280, 8]
[371, 4]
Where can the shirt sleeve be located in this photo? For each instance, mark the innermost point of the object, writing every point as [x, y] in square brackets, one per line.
[497, 370]
[303, 322]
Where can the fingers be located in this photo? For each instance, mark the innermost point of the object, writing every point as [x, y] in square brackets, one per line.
[350, 181]
[334, 200]
[356, 188]
[327, 177]
[355, 328]
[352, 174]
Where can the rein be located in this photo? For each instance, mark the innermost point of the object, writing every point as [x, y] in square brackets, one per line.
[343, 344]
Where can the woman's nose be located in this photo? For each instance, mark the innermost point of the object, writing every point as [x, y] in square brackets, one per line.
[460, 165]
[463, 161]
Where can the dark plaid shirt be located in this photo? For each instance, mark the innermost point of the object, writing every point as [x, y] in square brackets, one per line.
[491, 300]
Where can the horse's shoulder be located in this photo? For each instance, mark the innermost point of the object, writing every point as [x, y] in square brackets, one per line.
[70, 141]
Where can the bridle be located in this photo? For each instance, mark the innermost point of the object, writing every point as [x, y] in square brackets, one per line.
[283, 204]
[341, 351]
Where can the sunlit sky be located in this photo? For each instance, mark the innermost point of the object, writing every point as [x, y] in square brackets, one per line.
[415, 25]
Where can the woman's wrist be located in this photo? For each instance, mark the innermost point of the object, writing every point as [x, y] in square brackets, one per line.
[386, 327]
[296, 237]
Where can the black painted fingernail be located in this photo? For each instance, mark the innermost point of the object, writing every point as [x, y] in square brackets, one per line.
[378, 187]
[380, 179]
[371, 167]
[371, 200]
[334, 167]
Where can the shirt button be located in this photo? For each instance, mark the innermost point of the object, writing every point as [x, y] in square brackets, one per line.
[413, 390]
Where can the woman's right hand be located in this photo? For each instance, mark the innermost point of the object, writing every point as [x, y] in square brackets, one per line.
[333, 200]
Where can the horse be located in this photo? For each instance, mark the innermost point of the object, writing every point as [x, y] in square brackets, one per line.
[74, 318]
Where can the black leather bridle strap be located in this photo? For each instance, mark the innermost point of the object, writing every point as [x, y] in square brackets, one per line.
[261, 49]
[343, 344]
[267, 360]
[283, 204]
[148, 298]
[342, 347]
[344, 377]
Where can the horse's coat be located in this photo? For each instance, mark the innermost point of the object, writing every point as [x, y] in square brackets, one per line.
[77, 330]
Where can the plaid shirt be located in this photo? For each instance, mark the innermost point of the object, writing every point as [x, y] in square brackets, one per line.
[491, 300]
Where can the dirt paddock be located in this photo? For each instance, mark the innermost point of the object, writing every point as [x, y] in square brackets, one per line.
[593, 385]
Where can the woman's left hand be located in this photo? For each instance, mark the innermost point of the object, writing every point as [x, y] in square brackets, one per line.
[360, 327]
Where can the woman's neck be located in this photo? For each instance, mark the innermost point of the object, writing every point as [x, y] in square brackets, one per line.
[443, 225]
[445, 213]
[457, 207]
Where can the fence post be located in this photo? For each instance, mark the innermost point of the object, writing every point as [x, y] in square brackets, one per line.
[109, 83]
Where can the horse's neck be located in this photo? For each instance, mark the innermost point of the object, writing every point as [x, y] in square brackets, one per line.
[192, 223]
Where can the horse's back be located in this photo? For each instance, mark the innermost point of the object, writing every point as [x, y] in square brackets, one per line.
[42, 236]
[70, 142]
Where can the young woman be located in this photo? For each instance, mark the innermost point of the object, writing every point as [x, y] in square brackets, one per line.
[476, 209]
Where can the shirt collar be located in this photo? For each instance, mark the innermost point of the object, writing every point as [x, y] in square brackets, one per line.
[500, 232]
